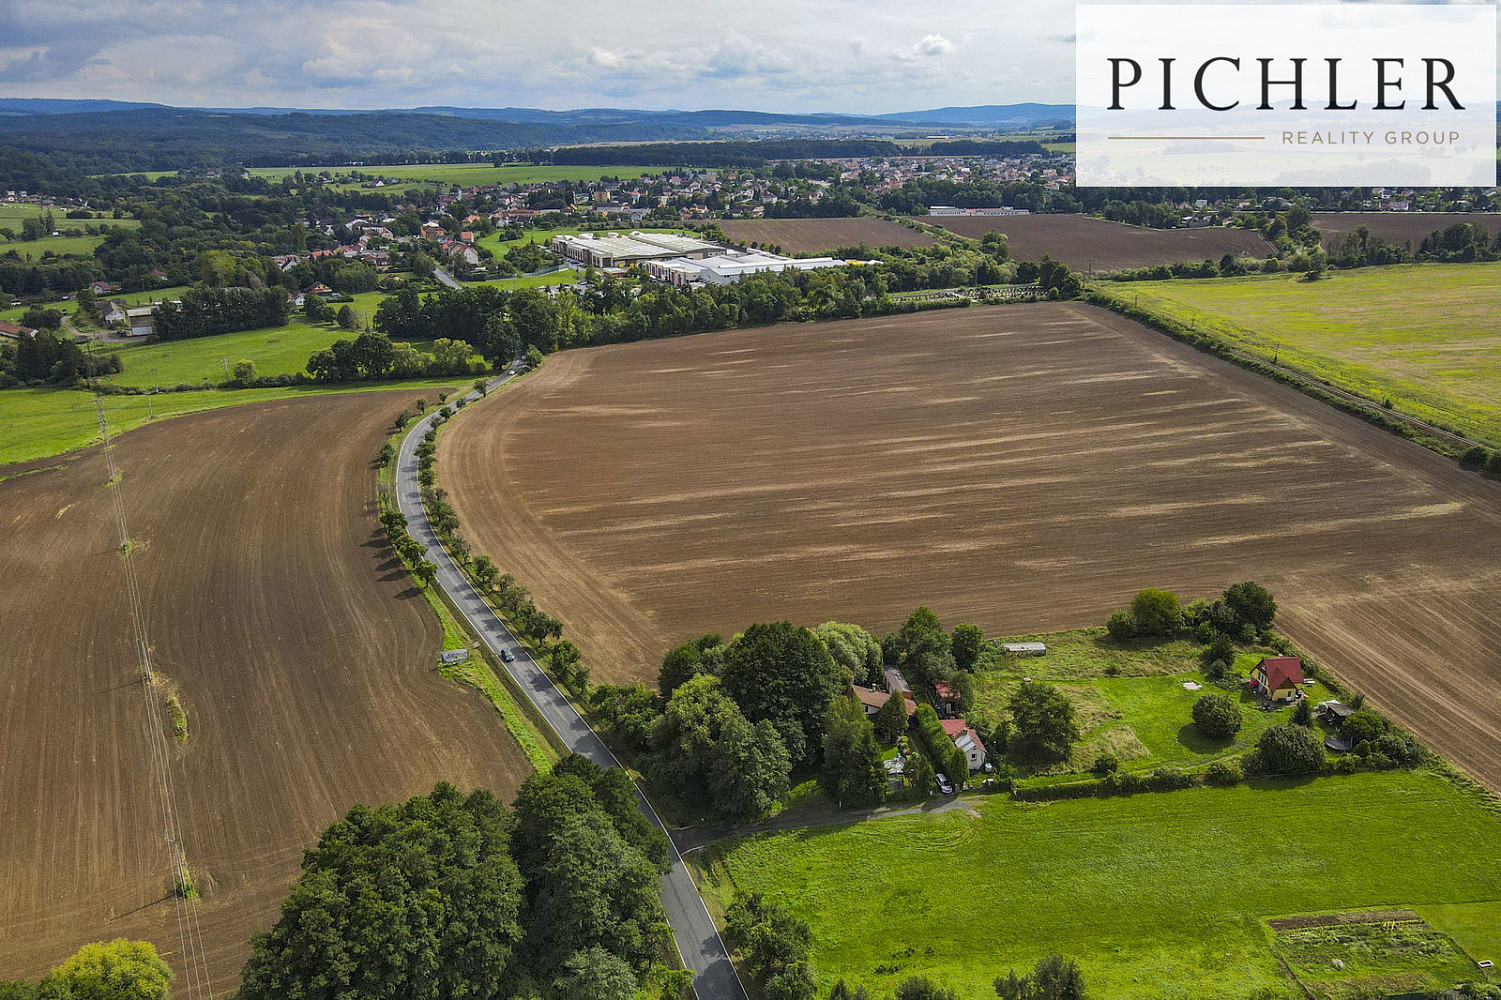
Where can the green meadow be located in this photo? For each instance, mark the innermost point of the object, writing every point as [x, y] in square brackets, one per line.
[1157, 895]
[1424, 336]
[37, 423]
[1129, 700]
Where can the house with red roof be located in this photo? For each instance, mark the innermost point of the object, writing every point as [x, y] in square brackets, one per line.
[1279, 678]
[967, 740]
[15, 330]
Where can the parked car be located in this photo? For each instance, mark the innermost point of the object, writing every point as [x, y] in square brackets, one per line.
[508, 656]
[944, 785]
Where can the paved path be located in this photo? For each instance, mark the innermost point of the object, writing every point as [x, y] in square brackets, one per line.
[698, 940]
[445, 278]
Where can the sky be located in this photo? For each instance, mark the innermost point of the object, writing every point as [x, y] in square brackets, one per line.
[865, 57]
[768, 55]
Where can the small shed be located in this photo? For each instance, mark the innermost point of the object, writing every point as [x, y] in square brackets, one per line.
[1333, 712]
[1339, 744]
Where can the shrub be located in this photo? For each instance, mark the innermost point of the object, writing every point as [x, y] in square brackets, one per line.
[1474, 458]
[1156, 612]
[1224, 772]
[1121, 625]
[1221, 649]
[1400, 747]
[1216, 716]
[1365, 726]
[1105, 763]
[1170, 779]
[1289, 750]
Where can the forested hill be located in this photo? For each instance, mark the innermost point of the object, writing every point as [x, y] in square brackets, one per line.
[172, 139]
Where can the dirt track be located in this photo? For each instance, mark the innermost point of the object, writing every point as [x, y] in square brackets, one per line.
[303, 658]
[821, 235]
[1026, 468]
[1087, 244]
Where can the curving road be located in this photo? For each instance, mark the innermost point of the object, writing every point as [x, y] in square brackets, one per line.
[698, 941]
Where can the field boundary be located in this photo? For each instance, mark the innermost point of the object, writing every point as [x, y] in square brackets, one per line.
[1437, 439]
[537, 741]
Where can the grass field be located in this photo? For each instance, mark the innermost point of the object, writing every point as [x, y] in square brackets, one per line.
[275, 350]
[1157, 895]
[36, 423]
[1424, 336]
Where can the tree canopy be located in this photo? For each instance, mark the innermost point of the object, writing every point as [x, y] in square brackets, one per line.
[783, 674]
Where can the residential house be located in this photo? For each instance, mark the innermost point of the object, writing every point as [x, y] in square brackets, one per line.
[1279, 678]
[967, 740]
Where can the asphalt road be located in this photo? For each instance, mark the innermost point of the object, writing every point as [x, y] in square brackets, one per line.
[698, 941]
[445, 278]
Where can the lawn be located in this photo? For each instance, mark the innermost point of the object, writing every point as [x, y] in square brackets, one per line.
[1158, 895]
[567, 276]
[1424, 336]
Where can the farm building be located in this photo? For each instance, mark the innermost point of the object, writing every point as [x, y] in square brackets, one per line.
[1024, 648]
[15, 331]
[1279, 678]
[142, 320]
[732, 265]
[615, 250]
[967, 740]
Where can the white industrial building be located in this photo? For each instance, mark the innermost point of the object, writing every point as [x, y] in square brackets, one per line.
[730, 266]
[952, 210]
[616, 250]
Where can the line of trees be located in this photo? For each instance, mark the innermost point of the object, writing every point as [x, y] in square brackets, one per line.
[373, 356]
[48, 359]
[205, 311]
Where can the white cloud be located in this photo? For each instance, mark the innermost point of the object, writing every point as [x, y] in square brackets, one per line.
[934, 45]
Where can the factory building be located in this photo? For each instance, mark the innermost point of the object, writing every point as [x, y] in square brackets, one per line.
[730, 266]
[616, 250]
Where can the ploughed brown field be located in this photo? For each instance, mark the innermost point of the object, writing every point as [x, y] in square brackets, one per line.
[304, 660]
[821, 235]
[1087, 244]
[1398, 227]
[1025, 468]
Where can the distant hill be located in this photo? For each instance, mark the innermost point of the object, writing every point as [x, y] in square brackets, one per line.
[45, 106]
[992, 115]
[104, 136]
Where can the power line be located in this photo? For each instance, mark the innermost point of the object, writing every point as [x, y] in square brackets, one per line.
[189, 931]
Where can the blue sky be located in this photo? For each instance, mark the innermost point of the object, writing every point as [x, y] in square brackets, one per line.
[772, 55]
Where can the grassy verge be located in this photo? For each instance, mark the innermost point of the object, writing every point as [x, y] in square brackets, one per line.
[529, 731]
[1156, 895]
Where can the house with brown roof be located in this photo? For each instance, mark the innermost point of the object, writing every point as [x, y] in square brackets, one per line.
[1278, 678]
[15, 330]
[967, 740]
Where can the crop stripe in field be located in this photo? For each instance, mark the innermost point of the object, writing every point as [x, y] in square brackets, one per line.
[189, 931]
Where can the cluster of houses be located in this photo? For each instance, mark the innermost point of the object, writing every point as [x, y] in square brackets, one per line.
[963, 735]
